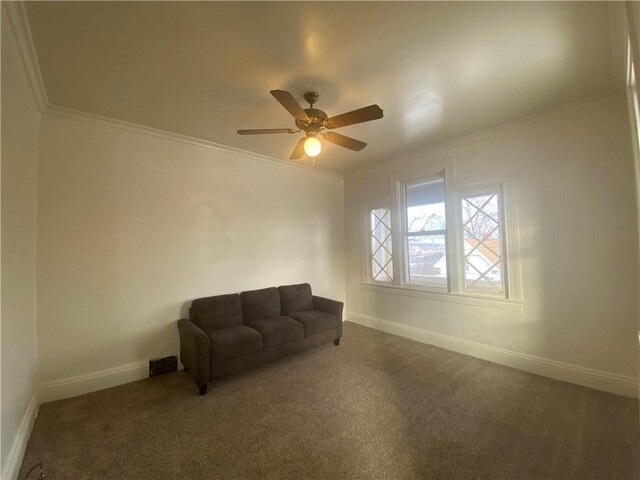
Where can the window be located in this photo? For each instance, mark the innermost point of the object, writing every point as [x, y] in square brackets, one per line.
[482, 243]
[381, 262]
[449, 240]
[424, 232]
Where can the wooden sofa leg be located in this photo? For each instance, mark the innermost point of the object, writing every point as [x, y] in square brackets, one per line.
[336, 341]
[203, 389]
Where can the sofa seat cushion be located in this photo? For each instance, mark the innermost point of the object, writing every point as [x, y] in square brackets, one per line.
[295, 298]
[315, 321]
[278, 330]
[233, 342]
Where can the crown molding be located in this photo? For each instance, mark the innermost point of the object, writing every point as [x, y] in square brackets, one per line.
[77, 115]
[442, 148]
[17, 15]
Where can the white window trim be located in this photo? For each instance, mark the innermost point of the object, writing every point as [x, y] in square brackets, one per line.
[470, 191]
[398, 218]
[512, 299]
[405, 234]
[510, 234]
[466, 299]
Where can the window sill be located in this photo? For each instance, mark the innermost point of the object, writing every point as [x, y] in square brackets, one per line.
[501, 303]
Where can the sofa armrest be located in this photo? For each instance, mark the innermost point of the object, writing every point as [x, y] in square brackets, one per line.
[333, 307]
[195, 351]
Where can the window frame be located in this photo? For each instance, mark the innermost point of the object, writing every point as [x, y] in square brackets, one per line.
[405, 234]
[368, 254]
[455, 192]
[487, 188]
[445, 168]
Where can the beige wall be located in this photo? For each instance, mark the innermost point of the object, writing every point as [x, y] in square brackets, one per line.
[569, 177]
[20, 124]
[132, 227]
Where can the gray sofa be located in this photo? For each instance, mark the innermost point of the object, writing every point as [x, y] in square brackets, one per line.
[229, 333]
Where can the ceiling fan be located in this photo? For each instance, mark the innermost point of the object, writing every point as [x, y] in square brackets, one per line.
[314, 122]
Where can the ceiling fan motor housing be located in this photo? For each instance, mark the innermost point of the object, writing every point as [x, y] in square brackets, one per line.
[315, 122]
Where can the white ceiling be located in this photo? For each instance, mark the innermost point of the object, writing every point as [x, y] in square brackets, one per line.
[439, 70]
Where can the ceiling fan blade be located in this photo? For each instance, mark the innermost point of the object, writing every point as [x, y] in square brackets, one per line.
[267, 130]
[346, 142]
[290, 103]
[366, 114]
[298, 152]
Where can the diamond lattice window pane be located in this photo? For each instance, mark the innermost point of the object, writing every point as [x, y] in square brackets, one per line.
[380, 244]
[482, 233]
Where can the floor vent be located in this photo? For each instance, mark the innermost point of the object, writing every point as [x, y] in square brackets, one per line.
[159, 366]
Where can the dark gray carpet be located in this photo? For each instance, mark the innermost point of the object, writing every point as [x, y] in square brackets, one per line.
[377, 406]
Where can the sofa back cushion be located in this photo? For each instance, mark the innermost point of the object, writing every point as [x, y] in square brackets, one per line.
[295, 298]
[260, 304]
[217, 312]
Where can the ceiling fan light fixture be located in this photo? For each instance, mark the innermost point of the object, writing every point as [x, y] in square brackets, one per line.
[312, 146]
[314, 122]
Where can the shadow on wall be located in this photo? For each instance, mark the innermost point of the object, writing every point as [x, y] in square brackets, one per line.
[184, 309]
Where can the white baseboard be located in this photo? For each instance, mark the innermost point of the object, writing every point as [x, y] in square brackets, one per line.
[11, 467]
[92, 382]
[65, 388]
[600, 380]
